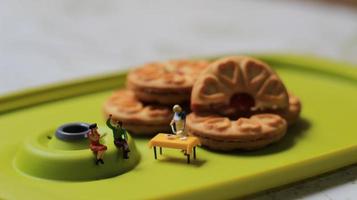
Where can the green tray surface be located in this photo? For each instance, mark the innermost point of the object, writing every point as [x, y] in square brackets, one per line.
[323, 140]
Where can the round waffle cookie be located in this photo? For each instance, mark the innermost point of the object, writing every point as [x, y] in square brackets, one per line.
[237, 86]
[137, 118]
[240, 103]
[165, 82]
[221, 133]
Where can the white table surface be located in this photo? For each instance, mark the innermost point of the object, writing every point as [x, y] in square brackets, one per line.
[44, 41]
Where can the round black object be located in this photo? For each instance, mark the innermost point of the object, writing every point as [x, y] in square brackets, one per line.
[72, 131]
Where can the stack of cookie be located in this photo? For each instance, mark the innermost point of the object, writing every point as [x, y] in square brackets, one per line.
[240, 103]
[145, 105]
[237, 102]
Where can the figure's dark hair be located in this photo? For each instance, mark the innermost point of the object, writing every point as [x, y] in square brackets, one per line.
[93, 126]
[182, 114]
[120, 123]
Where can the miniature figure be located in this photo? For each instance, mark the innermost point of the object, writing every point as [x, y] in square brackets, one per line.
[97, 148]
[120, 136]
[178, 122]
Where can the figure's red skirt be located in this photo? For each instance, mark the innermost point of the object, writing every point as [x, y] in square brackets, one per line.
[98, 147]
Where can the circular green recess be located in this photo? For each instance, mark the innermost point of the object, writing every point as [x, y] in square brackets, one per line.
[45, 156]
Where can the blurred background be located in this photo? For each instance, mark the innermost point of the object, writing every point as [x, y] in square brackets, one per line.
[45, 41]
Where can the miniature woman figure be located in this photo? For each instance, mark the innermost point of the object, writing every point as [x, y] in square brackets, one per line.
[120, 136]
[97, 148]
[178, 122]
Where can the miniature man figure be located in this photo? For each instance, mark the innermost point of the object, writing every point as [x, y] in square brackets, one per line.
[97, 148]
[120, 136]
[178, 122]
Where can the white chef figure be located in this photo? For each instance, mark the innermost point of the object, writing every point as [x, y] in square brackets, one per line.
[178, 122]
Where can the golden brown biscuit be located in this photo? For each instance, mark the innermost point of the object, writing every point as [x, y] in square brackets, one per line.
[221, 133]
[137, 118]
[235, 86]
[165, 82]
[240, 103]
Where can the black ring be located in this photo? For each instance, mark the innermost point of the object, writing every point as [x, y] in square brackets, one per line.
[72, 131]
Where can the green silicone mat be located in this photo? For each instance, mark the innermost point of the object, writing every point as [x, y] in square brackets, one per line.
[323, 140]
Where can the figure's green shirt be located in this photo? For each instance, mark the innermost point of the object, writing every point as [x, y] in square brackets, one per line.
[118, 132]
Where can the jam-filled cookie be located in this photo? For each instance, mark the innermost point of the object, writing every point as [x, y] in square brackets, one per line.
[165, 82]
[221, 133]
[240, 103]
[137, 118]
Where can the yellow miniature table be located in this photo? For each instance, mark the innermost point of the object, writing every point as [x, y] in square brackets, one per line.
[171, 141]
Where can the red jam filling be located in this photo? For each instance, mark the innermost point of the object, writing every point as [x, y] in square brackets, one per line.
[242, 103]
